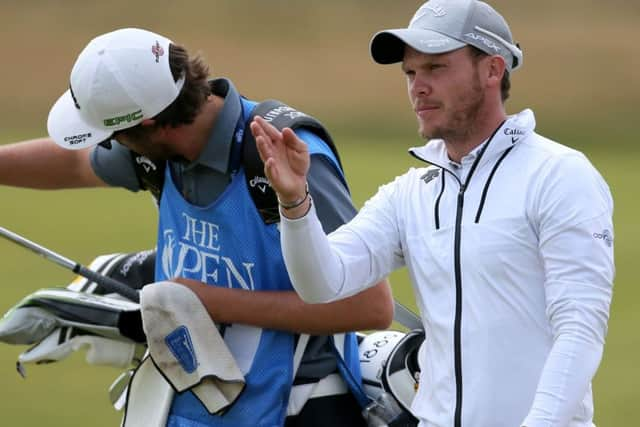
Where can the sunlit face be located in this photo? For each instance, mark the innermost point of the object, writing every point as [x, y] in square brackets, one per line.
[445, 92]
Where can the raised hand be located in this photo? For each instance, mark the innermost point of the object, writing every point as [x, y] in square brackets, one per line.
[286, 160]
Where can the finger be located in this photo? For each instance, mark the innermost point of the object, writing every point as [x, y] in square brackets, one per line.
[271, 171]
[256, 129]
[269, 129]
[264, 147]
[259, 126]
[292, 141]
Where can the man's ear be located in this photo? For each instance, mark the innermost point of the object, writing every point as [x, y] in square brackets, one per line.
[496, 70]
[148, 122]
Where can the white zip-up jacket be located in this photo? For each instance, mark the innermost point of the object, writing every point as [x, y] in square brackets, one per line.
[511, 258]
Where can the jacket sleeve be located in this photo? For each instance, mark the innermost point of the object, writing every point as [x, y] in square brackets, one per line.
[354, 257]
[572, 212]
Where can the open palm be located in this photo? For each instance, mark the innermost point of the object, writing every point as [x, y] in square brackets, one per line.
[285, 157]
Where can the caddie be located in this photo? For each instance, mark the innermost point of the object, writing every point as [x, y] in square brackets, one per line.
[142, 114]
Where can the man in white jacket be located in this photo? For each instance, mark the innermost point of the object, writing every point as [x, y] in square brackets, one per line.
[507, 235]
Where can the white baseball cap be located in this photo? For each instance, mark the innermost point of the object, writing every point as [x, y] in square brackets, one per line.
[120, 79]
[441, 26]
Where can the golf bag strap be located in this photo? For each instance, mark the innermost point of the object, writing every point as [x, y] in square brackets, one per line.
[303, 340]
[338, 340]
[294, 406]
[280, 116]
[150, 174]
[331, 385]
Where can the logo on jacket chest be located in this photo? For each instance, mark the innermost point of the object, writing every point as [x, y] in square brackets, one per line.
[430, 175]
[515, 134]
[195, 251]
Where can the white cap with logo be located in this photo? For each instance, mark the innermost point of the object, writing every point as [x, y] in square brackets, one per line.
[120, 79]
[441, 26]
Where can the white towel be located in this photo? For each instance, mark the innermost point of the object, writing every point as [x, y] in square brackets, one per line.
[187, 348]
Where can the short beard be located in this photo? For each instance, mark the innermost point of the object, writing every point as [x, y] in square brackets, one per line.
[142, 143]
[462, 121]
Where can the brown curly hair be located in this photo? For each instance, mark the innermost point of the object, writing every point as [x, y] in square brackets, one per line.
[195, 91]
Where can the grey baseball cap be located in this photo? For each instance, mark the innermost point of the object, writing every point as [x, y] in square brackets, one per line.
[441, 26]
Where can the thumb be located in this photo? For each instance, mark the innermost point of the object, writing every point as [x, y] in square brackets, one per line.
[271, 172]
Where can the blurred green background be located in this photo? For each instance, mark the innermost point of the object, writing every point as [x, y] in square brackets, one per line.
[580, 76]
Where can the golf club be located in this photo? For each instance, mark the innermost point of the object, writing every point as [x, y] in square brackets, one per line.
[405, 316]
[106, 282]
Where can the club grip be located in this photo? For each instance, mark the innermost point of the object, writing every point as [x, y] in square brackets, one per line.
[108, 283]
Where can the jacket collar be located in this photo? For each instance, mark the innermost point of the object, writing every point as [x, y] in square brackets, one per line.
[516, 128]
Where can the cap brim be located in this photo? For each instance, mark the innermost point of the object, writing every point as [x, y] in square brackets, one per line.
[387, 47]
[67, 128]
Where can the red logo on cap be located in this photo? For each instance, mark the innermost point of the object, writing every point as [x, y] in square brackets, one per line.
[157, 51]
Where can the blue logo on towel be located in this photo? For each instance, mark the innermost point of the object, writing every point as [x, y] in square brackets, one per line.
[179, 342]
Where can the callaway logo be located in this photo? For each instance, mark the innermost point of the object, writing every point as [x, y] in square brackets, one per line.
[286, 110]
[147, 164]
[488, 43]
[157, 51]
[261, 182]
[510, 131]
[515, 134]
[605, 236]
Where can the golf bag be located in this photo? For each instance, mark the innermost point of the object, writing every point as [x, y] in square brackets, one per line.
[390, 375]
[56, 322]
[59, 321]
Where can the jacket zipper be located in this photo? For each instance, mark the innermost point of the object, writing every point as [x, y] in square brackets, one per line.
[457, 325]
